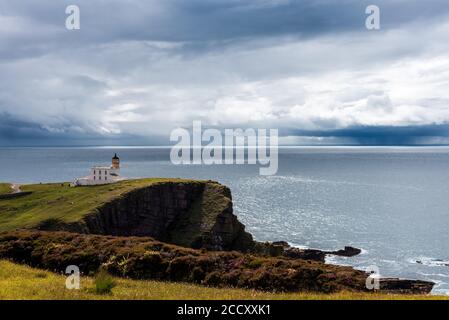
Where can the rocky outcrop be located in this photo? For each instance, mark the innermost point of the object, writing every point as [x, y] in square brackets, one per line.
[395, 285]
[346, 252]
[282, 248]
[193, 214]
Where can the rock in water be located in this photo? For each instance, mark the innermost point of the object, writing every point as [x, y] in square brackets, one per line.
[346, 252]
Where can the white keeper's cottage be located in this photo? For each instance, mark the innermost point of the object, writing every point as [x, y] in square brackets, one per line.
[101, 174]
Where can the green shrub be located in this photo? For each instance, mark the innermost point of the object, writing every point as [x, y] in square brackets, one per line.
[123, 265]
[256, 263]
[103, 283]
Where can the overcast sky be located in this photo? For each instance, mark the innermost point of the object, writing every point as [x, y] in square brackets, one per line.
[138, 69]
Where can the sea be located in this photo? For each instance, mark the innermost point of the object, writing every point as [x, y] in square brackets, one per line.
[392, 202]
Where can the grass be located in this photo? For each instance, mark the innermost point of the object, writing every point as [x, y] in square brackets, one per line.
[103, 283]
[22, 282]
[60, 202]
[5, 188]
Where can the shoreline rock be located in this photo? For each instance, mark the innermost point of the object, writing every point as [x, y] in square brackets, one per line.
[396, 285]
[282, 248]
[346, 252]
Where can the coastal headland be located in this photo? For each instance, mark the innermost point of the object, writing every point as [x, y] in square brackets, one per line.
[172, 230]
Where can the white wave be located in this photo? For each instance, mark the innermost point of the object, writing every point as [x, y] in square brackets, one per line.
[295, 245]
[341, 182]
[434, 274]
[431, 262]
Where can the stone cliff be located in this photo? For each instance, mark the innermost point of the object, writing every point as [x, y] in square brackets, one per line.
[192, 214]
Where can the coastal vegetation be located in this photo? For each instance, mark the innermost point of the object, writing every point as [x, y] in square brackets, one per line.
[146, 258]
[5, 188]
[23, 282]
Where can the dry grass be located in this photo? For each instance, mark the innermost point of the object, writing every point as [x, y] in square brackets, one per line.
[22, 282]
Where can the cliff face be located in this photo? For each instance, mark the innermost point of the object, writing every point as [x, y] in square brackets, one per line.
[190, 214]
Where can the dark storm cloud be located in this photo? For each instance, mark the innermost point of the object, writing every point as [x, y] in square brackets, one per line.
[13, 129]
[39, 25]
[137, 69]
[383, 135]
[16, 132]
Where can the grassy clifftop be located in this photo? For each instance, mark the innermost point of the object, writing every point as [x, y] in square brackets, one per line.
[61, 202]
[190, 213]
[5, 188]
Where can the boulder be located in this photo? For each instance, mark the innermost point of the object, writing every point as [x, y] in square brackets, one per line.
[346, 252]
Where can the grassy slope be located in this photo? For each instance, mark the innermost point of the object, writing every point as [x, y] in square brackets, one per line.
[5, 188]
[23, 282]
[60, 201]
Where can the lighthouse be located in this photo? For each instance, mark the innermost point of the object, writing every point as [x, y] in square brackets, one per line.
[101, 174]
[115, 162]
